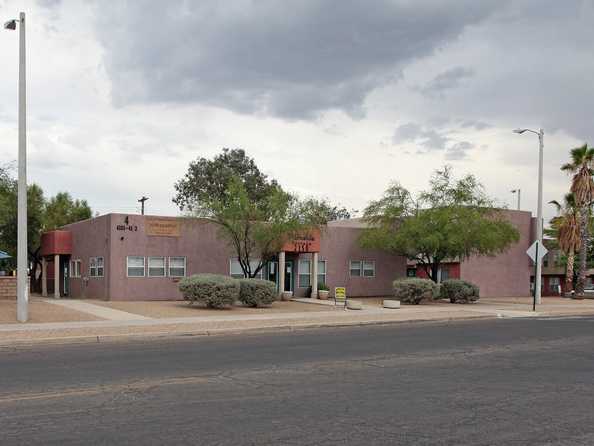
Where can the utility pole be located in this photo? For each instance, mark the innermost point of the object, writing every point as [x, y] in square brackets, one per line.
[22, 257]
[141, 201]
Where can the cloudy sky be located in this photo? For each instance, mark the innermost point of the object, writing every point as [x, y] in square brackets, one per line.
[333, 98]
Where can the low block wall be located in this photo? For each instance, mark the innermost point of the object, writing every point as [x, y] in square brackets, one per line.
[8, 288]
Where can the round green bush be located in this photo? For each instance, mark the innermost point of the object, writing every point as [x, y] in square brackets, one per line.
[414, 290]
[214, 290]
[256, 292]
[459, 291]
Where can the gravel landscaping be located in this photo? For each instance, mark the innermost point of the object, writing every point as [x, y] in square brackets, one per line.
[163, 309]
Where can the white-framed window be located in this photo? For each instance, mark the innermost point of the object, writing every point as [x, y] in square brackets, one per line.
[236, 271]
[75, 268]
[135, 266]
[96, 267]
[177, 266]
[304, 273]
[322, 272]
[156, 266]
[368, 268]
[554, 284]
[355, 268]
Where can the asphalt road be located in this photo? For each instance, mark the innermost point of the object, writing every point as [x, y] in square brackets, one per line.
[500, 382]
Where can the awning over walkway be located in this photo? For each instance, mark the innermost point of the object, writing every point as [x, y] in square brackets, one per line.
[56, 242]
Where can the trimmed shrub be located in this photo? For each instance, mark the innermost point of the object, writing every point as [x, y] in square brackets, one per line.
[214, 290]
[256, 292]
[413, 290]
[459, 291]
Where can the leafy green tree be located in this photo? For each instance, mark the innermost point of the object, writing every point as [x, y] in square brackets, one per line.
[208, 180]
[323, 210]
[253, 212]
[582, 187]
[8, 216]
[453, 219]
[257, 230]
[42, 215]
[62, 210]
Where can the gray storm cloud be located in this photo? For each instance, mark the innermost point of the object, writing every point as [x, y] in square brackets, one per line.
[285, 59]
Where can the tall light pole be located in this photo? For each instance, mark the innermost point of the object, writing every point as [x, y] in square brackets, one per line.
[519, 192]
[22, 257]
[538, 272]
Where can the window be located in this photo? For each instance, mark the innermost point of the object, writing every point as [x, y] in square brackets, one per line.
[355, 267]
[445, 274]
[75, 268]
[554, 284]
[304, 273]
[411, 272]
[236, 271]
[368, 268]
[135, 265]
[156, 266]
[321, 272]
[96, 267]
[365, 268]
[177, 266]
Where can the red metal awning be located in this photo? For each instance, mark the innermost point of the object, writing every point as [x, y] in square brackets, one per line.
[56, 242]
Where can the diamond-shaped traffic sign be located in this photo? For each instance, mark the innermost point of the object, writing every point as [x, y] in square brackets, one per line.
[542, 251]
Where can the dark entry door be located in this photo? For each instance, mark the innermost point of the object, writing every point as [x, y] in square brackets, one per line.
[289, 275]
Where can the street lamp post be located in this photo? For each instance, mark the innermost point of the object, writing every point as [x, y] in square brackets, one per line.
[519, 192]
[22, 257]
[538, 273]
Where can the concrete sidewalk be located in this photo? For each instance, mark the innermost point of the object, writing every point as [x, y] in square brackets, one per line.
[125, 324]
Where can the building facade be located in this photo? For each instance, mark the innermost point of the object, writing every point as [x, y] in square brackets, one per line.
[504, 275]
[135, 257]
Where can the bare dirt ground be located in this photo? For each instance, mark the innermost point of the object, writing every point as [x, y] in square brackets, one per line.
[164, 309]
[42, 312]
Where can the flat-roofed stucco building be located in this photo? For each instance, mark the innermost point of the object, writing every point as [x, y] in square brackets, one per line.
[504, 275]
[135, 257]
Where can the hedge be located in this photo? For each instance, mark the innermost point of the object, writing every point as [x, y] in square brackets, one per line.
[459, 291]
[214, 290]
[256, 292]
[413, 290]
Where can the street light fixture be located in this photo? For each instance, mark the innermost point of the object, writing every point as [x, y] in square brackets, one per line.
[519, 192]
[22, 257]
[11, 24]
[538, 273]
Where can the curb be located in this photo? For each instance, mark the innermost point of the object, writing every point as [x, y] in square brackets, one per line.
[112, 338]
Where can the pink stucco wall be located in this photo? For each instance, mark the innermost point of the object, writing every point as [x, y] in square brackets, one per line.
[90, 238]
[507, 274]
[340, 246]
[205, 252]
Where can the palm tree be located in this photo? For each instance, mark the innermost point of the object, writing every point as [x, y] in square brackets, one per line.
[582, 187]
[566, 227]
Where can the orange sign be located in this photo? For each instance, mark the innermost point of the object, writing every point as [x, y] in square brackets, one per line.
[306, 242]
[162, 227]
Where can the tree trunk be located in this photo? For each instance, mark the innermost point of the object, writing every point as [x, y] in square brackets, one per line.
[569, 271]
[434, 271]
[581, 282]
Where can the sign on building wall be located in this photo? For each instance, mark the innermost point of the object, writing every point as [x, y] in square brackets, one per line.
[162, 227]
[307, 242]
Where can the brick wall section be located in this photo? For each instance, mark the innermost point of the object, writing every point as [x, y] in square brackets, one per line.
[8, 288]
